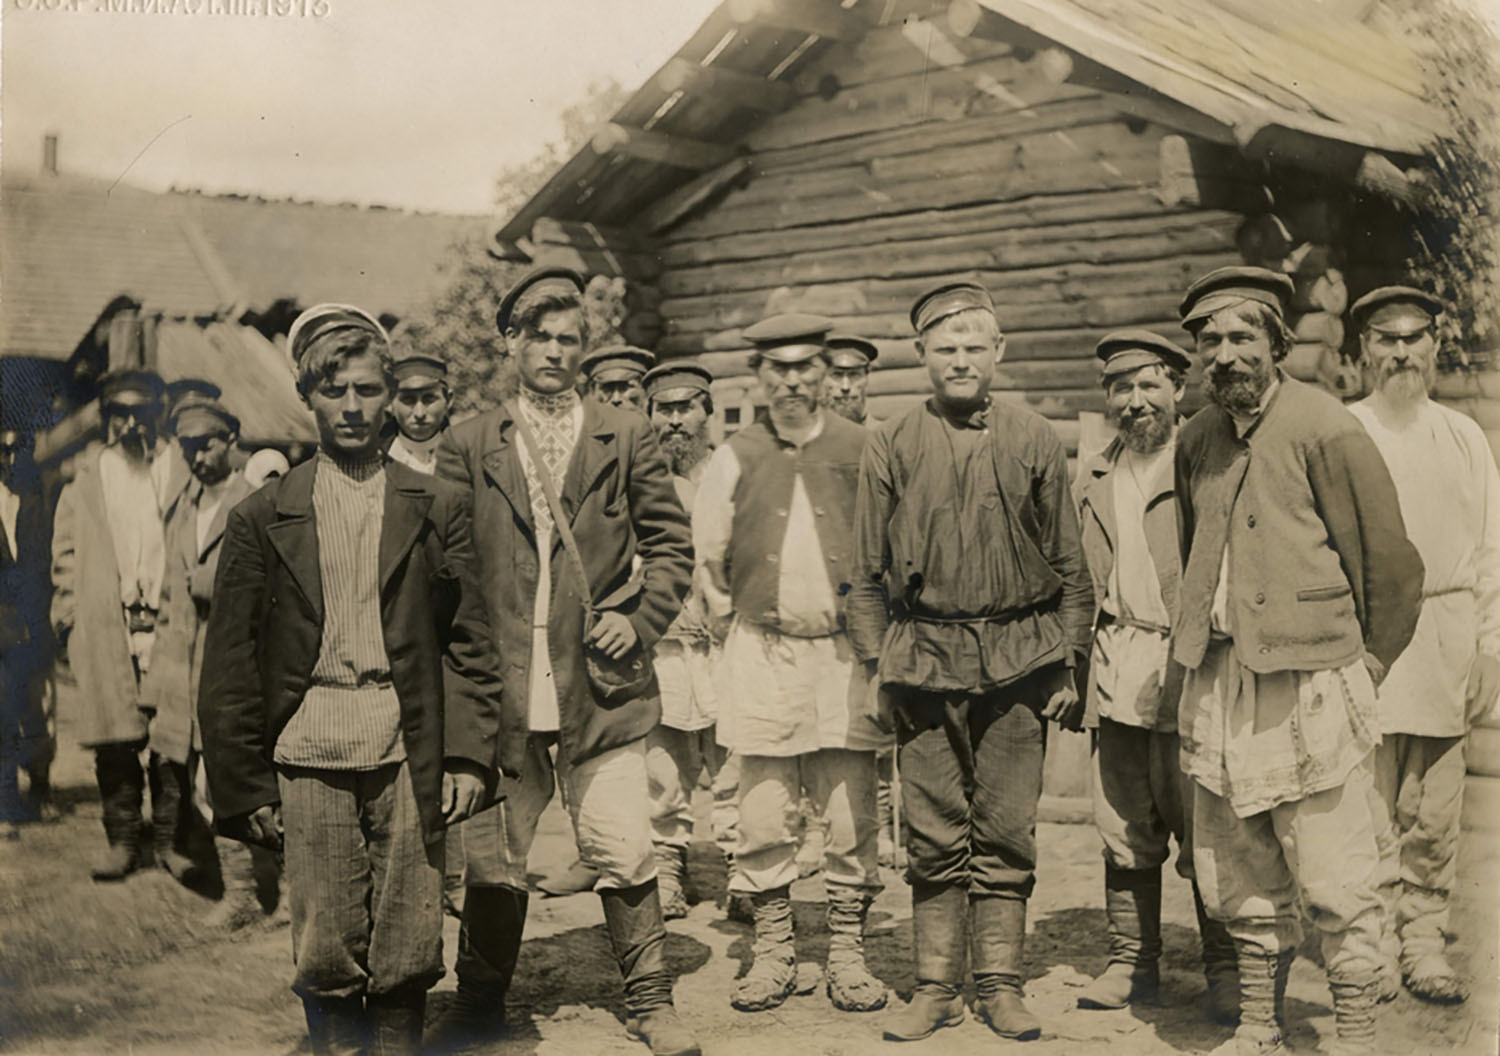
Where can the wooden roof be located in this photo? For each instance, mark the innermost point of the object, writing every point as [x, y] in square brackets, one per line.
[1284, 79]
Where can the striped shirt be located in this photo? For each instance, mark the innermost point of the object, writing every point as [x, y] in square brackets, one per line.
[350, 718]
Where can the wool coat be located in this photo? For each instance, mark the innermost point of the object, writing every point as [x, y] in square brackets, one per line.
[265, 629]
[621, 504]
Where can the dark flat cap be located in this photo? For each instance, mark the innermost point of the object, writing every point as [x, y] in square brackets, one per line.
[1124, 350]
[198, 416]
[614, 362]
[664, 380]
[130, 388]
[322, 319]
[850, 350]
[790, 337]
[1398, 308]
[426, 370]
[1224, 287]
[538, 282]
[185, 388]
[947, 299]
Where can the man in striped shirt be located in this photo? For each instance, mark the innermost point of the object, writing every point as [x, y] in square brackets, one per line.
[350, 698]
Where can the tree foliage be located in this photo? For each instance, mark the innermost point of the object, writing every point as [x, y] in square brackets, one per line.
[458, 323]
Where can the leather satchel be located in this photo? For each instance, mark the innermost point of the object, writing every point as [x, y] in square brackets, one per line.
[613, 681]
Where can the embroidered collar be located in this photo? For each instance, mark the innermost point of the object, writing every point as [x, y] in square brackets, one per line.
[551, 404]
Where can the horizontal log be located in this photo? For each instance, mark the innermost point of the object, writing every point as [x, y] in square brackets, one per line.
[638, 267]
[922, 224]
[938, 94]
[861, 200]
[660, 147]
[745, 89]
[1088, 242]
[1163, 272]
[1208, 175]
[812, 19]
[935, 135]
[674, 207]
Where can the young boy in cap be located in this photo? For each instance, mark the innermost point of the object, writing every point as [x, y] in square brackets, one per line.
[1128, 517]
[683, 747]
[771, 531]
[614, 375]
[351, 693]
[1299, 590]
[1450, 673]
[605, 469]
[108, 559]
[969, 605]
[206, 434]
[420, 410]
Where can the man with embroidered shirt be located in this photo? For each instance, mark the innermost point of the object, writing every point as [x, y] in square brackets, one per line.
[1299, 590]
[970, 607]
[1450, 673]
[771, 531]
[419, 411]
[683, 746]
[206, 433]
[602, 466]
[108, 558]
[350, 701]
[1128, 517]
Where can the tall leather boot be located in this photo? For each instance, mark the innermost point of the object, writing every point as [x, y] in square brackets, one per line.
[1132, 902]
[169, 796]
[336, 1025]
[1220, 966]
[671, 863]
[239, 908]
[396, 1022]
[639, 937]
[851, 987]
[998, 945]
[773, 972]
[1263, 979]
[489, 943]
[939, 913]
[121, 789]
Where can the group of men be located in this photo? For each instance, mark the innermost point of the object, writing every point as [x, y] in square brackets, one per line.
[1279, 619]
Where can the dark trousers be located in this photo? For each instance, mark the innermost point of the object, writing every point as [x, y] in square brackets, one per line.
[971, 774]
[122, 787]
[26, 740]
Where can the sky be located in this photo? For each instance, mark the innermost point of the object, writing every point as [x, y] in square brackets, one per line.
[409, 103]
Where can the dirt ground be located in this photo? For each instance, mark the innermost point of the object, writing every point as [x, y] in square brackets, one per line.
[124, 968]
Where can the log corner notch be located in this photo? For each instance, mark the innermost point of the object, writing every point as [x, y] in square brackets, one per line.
[814, 19]
[660, 147]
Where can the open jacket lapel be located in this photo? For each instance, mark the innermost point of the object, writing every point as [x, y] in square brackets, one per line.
[502, 465]
[593, 455]
[294, 533]
[1099, 492]
[406, 506]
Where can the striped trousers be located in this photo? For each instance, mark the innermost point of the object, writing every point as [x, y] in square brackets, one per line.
[366, 890]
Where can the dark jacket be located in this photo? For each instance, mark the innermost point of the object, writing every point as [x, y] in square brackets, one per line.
[829, 467]
[622, 505]
[1320, 568]
[266, 626]
[1100, 531]
[26, 586]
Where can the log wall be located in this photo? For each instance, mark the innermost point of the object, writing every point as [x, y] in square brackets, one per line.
[907, 160]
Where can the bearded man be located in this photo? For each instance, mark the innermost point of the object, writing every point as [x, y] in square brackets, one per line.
[683, 746]
[1128, 516]
[1450, 673]
[1299, 590]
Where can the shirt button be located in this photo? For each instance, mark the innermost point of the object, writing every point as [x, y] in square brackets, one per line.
[1260, 599]
[781, 513]
[1265, 649]
[1250, 520]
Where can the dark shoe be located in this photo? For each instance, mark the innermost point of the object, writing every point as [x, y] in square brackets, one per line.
[939, 914]
[489, 941]
[662, 1031]
[471, 1019]
[1132, 901]
[997, 947]
[336, 1025]
[396, 1023]
[116, 862]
